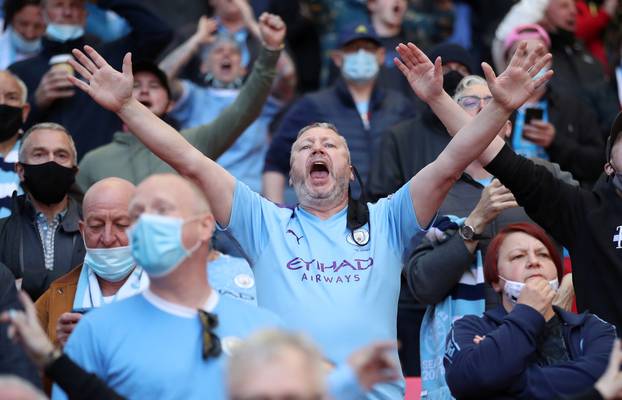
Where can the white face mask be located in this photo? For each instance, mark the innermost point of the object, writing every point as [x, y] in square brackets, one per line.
[64, 32]
[512, 289]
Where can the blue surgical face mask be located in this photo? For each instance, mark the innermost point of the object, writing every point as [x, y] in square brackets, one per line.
[64, 32]
[157, 244]
[22, 45]
[360, 66]
[512, 289]
[113, 264]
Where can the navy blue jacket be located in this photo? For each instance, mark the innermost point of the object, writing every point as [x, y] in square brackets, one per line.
[335, 105]
[503, 365]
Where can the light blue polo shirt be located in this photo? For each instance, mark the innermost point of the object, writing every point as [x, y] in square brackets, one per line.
[144, 347]
[313, 275]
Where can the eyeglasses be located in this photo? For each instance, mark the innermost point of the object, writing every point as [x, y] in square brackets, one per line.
[211, 342]
[473, 102]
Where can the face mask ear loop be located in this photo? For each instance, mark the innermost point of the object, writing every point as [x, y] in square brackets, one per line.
[358, 213]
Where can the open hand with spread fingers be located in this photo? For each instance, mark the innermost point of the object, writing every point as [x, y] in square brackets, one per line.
[518, 82]
[425, 78]
[109, 88]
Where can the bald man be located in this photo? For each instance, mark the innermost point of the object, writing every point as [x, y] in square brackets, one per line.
[171, 341]
[13, 113]
[108, 273]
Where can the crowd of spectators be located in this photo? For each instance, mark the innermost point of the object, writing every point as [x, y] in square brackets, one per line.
[310, 199]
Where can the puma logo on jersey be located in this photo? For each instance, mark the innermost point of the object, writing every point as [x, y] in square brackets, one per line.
[296, 236]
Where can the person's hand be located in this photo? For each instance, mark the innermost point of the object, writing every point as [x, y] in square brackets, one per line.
[272, 30]
[24, 328]
[539, 132]
[538, 295]
[609, 385]
[54, 85]
[207, 29]
[565, 293]
[65, 325]
[111, 89]
[516, 84]
[478, 339]
[248, 16]
[494, 199]
[425, 78]
[375, 364]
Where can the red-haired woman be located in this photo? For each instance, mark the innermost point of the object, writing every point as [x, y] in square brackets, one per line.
[526, 347]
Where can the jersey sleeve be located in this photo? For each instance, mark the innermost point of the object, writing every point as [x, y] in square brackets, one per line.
[396, 214]
[248, 223]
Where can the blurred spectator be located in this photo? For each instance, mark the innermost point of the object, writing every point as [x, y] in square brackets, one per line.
[592, 20]
[104, 24]
[134, 162]
[22, 31]
[231, 276]
[564, 129]
[538, 351]
[51, 96]
[13, 112]
[359, 107]
[198, 105]
[13, 359]
[277, 365]
[108, 274]
[190, 325]
[41, 240]
[14, 388]
[25, 330]
[575, 69]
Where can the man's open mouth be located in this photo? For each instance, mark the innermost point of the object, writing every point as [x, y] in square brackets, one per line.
[319, 170]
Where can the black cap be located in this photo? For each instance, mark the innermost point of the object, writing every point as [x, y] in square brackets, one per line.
[359, 31]
[150, 66]
[450, 52]
[616, 128]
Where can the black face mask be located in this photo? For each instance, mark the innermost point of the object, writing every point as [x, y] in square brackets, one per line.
[10, 121]
[48, 182]
[451, 81]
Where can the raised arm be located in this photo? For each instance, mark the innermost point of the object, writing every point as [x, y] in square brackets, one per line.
[178, 58]
[510, 90]
[113, 90]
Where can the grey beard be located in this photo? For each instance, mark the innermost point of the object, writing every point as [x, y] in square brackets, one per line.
[307, 198]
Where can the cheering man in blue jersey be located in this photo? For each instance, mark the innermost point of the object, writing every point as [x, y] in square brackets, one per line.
[331, 266]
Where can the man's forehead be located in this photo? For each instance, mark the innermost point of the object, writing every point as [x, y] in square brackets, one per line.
[318, 133]
[8, 84]
[48, 138]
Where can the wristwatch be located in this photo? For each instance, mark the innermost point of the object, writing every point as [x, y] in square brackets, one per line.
[467, 232]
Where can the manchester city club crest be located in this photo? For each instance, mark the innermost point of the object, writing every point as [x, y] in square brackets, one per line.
[360, 236]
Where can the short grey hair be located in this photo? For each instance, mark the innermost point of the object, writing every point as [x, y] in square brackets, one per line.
[466, 82]
[25, 387]
[263, 347]
[220, 39]
[51, 126]
[20, 83]
[324, 125]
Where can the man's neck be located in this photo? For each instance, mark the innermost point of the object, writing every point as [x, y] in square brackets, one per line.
[7, 145]
[361, 92]
[187, 285]
[110, 288]
[50, 210]
[233, 25]
[324, 212]
[385, 30]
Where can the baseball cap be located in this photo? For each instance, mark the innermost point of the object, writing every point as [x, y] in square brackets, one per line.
[358, 31]
[524, 32]
[150, 66]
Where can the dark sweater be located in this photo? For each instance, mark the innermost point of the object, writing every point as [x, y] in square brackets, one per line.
[91, 125]
[585, 222]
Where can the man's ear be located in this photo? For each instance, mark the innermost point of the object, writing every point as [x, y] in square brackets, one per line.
[20, 171]
[380, 53]
[25, 111]
[497, 286]
[351, 173]
[81, 227]
[609, 170]
[337, 57]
